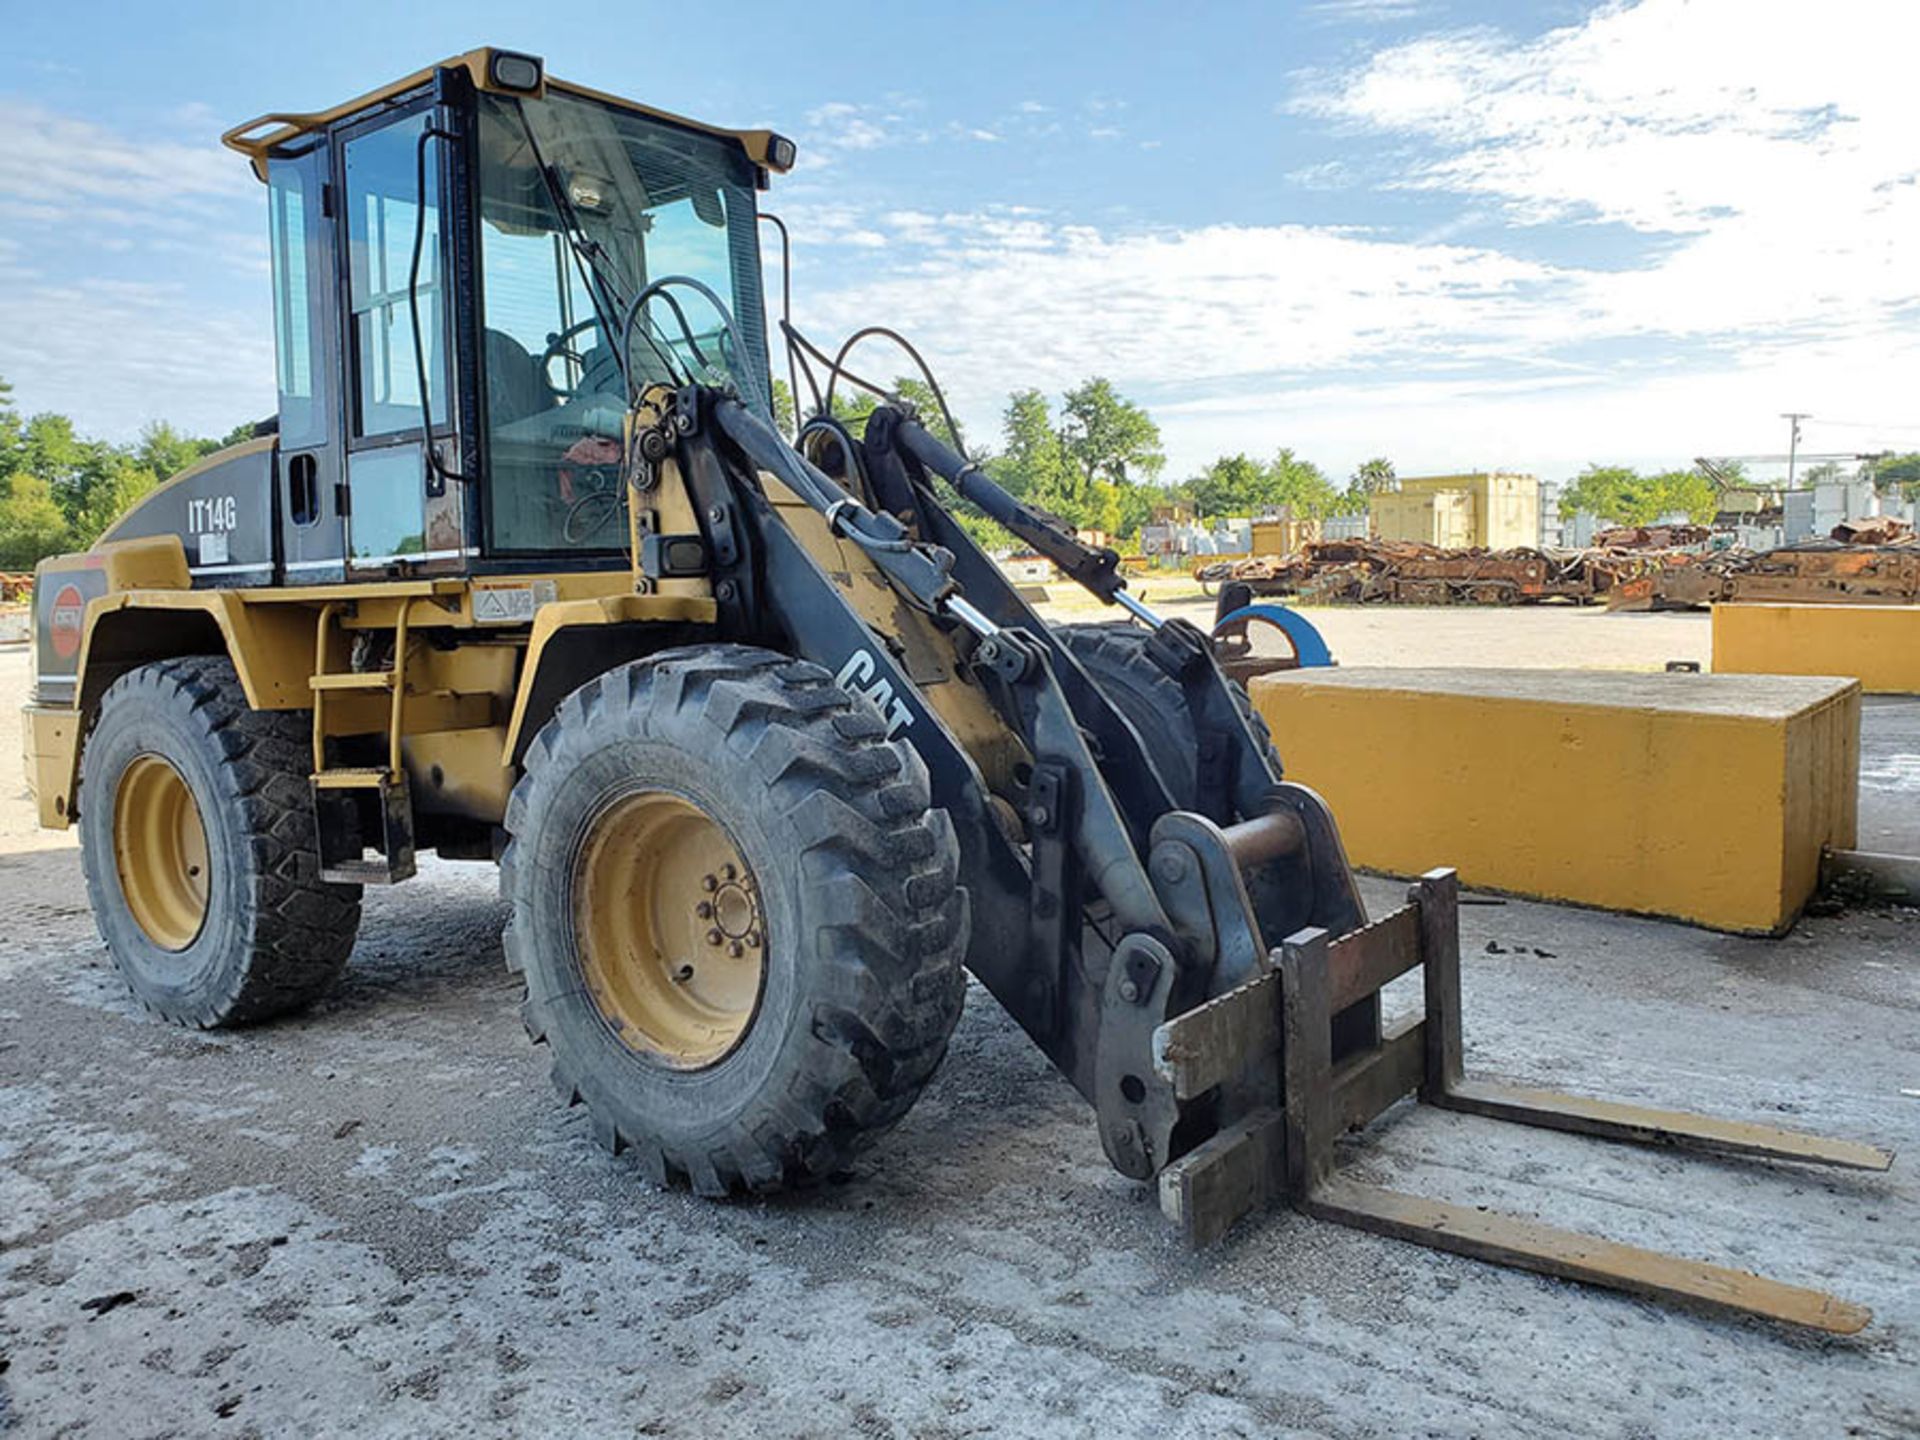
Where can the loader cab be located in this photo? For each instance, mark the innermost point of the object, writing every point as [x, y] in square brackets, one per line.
[455, 264]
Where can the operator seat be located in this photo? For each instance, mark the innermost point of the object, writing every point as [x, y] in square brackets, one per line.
[515, 386]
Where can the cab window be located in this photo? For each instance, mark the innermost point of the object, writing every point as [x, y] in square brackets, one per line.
[383, 210]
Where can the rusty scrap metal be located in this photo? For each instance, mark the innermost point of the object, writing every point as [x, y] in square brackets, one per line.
[1409, 572]
[1652, 537]
[1875, 563]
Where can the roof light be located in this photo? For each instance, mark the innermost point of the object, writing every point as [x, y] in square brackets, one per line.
[781, 153]
[511, 70]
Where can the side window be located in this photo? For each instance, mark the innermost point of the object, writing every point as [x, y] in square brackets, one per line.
[384, 210]
[293, 210]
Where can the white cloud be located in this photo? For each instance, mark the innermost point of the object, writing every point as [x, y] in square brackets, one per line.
[116, 354]
[1661, 116]
[1762, 169]
[1366, 12]
[56, 167]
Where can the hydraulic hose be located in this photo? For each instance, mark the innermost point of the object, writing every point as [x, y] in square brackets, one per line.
[1096, 568]
[922, 572]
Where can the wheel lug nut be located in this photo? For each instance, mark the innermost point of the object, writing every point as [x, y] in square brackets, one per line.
[734, 949]
[727, 872]
[753, 938]
[704, 910]
[714, 937]
[709, 884]
[683, 974]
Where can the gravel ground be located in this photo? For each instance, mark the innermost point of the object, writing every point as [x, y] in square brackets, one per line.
[376, 1219]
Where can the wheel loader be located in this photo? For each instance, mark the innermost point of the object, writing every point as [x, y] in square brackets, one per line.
[768, 750]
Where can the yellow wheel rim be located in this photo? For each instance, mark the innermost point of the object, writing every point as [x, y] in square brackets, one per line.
[160, 849]
[668, 922]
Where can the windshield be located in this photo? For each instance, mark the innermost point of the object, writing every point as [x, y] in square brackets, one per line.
[637, 200]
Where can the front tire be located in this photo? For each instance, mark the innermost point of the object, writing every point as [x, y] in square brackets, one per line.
[197, 840]
[737, 916]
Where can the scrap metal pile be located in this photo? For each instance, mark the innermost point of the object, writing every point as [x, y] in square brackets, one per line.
[1642, 568]
[1876, 563]
[1406, 572]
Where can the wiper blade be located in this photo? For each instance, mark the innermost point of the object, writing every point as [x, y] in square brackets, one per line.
[603, 289]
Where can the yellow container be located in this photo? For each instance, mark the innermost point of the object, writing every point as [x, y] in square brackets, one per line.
[1878, 645]
[1705, 798]
[1430, 517]
[1492, 509]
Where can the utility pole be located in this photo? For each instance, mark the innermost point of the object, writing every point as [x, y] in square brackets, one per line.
[1793, 419]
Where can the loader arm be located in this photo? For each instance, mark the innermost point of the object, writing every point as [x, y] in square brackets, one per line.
[1222, 1014]
[1092, 812]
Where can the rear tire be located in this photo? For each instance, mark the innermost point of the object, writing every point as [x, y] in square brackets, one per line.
[197, 840]
[852, 912]
[1152, 700]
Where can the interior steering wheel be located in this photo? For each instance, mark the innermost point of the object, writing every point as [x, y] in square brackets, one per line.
[560, 347]
[598, 503]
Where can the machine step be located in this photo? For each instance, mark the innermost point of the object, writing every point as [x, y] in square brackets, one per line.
[375, 871]
[355, 810]
[352, 680]
[367, 777]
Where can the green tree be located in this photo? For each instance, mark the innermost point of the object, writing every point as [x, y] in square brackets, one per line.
[1299, 484]
[1623, 496]
[1613, 493]
[32, 524]
[1231, 485]
[59, 490]
[1373, 477]
[1034, 464]
[1688, 492]
[122, 481]
[11, 431]
[165, 452]
[1901, 471]
[1109, 438]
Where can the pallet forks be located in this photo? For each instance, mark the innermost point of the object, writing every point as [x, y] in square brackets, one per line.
[1279, 1025]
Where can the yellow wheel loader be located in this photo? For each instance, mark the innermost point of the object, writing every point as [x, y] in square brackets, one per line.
[769, 751]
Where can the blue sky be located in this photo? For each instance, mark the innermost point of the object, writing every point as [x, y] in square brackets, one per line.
[1458, 234]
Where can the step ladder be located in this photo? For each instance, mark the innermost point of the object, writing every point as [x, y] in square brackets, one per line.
[340, 793]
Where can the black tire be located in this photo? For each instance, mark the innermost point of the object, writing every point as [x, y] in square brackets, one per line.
[865, 924]
[275, 936]
[1152, 701]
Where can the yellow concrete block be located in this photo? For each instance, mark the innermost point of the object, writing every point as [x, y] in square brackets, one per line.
[1701, 797]
[1878, 645]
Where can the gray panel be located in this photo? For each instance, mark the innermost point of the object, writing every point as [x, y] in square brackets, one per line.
[223, 515]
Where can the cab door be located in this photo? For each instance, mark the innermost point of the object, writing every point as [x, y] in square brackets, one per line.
[308, 465]
[400, 515]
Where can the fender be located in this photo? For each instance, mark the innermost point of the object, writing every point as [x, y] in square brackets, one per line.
[628, 626]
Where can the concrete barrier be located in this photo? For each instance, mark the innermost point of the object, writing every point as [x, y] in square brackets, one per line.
[1878, 645]
[1705, 798]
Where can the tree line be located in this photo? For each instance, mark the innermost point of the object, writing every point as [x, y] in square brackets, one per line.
[59, 489]
[1624, 496]
[1096, 461]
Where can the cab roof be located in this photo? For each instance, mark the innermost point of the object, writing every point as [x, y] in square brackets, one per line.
[506, 72]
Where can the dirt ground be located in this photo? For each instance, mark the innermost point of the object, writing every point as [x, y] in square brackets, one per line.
[376, 1219]
[1528, 636]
